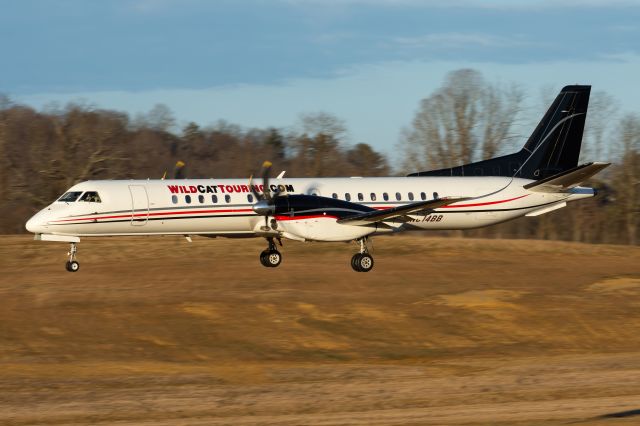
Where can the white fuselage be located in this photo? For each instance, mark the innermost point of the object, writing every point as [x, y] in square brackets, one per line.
[224, 206]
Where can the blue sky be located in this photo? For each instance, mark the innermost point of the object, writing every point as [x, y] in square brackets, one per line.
[260, 63]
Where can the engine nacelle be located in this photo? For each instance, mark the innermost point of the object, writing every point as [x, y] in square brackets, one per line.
[322, 228]
[312, 217]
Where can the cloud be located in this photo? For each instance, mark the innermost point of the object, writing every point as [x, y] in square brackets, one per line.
[480, 4]
[457, 40]
[158, 7]
[625, 29]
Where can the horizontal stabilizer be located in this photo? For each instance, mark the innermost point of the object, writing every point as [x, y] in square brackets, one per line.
[566, 180]
[419, 208]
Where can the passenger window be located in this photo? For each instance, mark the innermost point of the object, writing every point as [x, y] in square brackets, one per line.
[423, 196]
[398, 196]
[373, 196]
[201, 199]
[435, 195]
[334, 195]
[360, 196]
[214, 199]
[227, 198]
[70, 197]
[90, 197]
[347, 196]
[411, 196]
[250, 198]
[187, 199]
[385, 196]
[174, 199]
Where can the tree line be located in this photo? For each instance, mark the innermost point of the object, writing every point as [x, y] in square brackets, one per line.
[45, 152]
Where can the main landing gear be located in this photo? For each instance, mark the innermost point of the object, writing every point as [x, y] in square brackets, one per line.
[362, 261]
[271, 257]
[72, 265]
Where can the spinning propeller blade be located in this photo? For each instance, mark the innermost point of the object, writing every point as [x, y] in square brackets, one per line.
[266, 200]
[266, 191]
[253, 189]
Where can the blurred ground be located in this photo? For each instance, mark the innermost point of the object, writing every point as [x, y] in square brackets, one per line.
[157, 331]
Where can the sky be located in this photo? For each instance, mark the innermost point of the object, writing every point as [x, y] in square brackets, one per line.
[261, 63]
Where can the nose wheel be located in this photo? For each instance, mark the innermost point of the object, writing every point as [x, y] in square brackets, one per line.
[363, 261]
[72, 265]
[271, 257]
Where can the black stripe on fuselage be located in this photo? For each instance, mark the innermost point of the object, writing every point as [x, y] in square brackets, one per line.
[439, 211]
[200, 206]
[157, 218]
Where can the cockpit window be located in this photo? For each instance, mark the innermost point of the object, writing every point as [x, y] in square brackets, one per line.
[70, 197]
[91, 197]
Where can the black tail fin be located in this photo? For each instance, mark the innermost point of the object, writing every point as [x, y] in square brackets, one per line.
[553, 147]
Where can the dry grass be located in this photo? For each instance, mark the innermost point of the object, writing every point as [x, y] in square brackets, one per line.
[159, 331]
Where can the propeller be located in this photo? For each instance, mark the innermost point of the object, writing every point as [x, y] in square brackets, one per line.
[266, 193]
[265, 206]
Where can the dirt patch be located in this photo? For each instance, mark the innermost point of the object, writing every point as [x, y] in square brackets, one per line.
[482, 299]
[620, 285]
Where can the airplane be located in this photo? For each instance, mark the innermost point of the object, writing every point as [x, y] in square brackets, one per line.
[542, 177]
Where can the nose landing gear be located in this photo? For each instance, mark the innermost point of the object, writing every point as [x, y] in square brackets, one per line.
[72, 265]
[271, 257]
[362, 261]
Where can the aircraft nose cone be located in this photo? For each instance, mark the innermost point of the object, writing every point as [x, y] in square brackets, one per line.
[35, 224]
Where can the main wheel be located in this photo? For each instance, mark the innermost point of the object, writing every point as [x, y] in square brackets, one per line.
[263, 258]
[365, 262]
[270, 258]
[274, 258]
[72, 266]
[355, 260]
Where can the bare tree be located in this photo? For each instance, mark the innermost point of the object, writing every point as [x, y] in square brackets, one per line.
[628, 175]
[602, 111]
[88, 145]
[365, 161]
[317, 150]
[323, 123]
[5, 101]
[500, 108]
[466, 119]
[161, 118]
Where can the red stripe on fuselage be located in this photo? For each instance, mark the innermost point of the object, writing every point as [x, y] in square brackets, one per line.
[488, 203]
[315, 216]
[157, 214]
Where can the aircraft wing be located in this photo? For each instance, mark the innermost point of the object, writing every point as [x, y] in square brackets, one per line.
[566, 180]
[419, 208]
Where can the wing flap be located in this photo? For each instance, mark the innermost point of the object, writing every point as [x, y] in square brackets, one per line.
[399, 213]
[566, 180]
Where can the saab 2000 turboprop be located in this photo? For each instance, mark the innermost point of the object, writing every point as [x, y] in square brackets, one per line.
[542, 177]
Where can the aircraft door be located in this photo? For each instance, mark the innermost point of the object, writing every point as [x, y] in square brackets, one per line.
[139, 205]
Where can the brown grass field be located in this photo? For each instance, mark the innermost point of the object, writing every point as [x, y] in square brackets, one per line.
[158, 331]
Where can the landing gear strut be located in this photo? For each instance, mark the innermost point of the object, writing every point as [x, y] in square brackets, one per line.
[362, 261]
[271, 257]
[72, 265]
